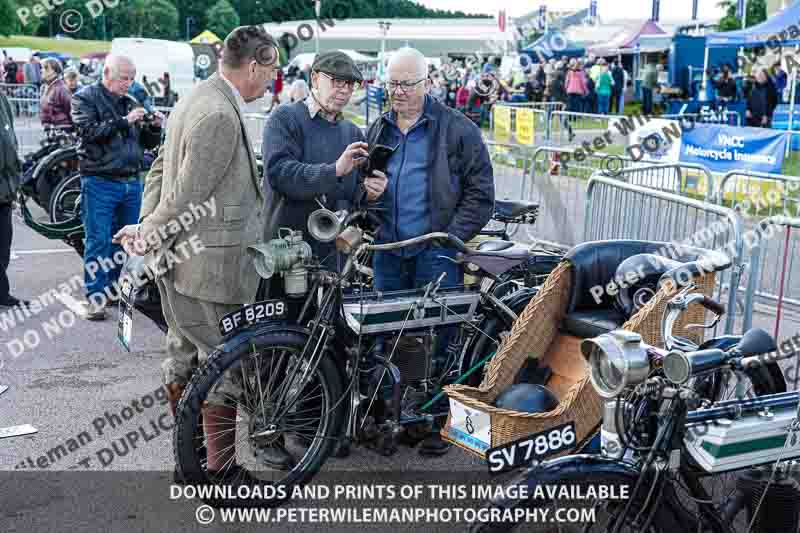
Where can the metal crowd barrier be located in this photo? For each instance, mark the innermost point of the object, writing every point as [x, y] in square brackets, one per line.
[677, 178]
[769, 278]
[511, 163]
[558, 183]
[561, 123]
[619, 210]
[510, 133]
[24, 99]
[765, 199]
[254, 122]
[547, 107]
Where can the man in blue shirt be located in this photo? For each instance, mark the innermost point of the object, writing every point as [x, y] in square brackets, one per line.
[439, 179]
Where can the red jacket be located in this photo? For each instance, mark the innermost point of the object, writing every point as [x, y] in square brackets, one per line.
[56, 106]
[462, 95]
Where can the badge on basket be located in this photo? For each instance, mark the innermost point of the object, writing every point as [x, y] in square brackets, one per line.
[125, 322]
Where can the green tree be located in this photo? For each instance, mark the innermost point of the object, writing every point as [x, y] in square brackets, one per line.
[157, 19]
[8, 17]
[222, 18]
[756, 14]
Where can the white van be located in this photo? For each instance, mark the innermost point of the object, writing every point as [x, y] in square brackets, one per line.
[154, 57]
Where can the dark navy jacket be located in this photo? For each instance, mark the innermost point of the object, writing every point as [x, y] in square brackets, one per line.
[461, 179]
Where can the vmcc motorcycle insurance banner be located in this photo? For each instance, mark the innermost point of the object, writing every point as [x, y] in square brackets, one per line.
[725, 148]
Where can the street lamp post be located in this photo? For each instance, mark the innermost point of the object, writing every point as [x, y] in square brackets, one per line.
[384, 26]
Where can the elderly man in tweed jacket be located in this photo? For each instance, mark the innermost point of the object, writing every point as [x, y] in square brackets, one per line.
[207, 159]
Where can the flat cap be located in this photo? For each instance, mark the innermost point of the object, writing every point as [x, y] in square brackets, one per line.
[337, 64]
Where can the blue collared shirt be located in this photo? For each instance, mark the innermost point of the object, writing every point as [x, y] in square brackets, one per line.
[407, 196]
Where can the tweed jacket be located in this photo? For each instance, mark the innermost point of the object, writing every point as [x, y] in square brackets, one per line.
[207, 159]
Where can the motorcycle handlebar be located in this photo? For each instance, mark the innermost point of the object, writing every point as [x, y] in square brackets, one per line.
[454, 241]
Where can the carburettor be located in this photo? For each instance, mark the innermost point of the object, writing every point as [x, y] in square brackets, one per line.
[285, 255]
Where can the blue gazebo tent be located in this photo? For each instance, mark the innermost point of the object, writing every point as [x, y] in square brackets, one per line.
[553, 44]
[782, 29]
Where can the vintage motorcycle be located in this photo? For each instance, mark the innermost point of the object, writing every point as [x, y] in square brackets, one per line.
[55, 160]
[335, 363]
[683, 455]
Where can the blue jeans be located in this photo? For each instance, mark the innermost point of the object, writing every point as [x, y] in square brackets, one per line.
[603, 101]
[106, 206]
[647, 101]
[395, 273]
[574, 102]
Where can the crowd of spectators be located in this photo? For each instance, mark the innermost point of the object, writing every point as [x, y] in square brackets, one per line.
[585, 85]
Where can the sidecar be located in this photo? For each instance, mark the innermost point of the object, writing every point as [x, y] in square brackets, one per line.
[564, 312]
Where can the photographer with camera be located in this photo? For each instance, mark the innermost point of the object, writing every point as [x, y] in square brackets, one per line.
[113, 134]
[311, 152]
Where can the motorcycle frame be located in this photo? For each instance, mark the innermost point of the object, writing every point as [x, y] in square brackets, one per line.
[328, 319]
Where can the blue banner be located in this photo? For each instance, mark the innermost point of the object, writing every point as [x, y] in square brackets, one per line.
[694, 9]
[593, 9]
[542, 16]
[739, 9]
[725, 148]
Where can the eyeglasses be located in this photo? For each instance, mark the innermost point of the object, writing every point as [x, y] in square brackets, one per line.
[407, 85]
[340, 83]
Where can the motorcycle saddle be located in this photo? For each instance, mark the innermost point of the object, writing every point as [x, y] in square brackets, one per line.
[500, 261]
[494, 246]
[513, 208]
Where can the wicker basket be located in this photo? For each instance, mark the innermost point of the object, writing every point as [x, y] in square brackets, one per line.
[536, 334]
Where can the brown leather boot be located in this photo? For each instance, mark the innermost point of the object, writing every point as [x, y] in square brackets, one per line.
[174, 393]
[219, 425]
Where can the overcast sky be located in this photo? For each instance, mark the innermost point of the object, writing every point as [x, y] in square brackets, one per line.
[608, 9]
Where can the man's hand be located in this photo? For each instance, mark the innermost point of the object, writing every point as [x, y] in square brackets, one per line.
[764, 120]
[135, 115]
[353, 156]
[131, 241]
[158, 118]
[748, 114]
[375, 185]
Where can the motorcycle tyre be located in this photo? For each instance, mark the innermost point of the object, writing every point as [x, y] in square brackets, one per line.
[188, 410]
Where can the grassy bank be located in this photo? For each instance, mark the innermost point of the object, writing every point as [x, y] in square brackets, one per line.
[75, 47]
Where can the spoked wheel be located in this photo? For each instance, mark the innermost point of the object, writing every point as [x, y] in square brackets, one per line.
[65, 199]
[560, 514]
[52, 170]
[278, 428]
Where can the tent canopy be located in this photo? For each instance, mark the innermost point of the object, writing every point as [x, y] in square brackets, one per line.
[551, 44]
[781, 28]
[627, 39]
[207, 36]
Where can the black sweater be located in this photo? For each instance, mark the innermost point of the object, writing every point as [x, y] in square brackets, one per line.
[300, 156]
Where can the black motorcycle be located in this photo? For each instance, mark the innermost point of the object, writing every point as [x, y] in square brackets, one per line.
[334, 362]
[55, 161]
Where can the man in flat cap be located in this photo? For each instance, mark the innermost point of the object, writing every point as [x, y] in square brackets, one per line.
[312, 153]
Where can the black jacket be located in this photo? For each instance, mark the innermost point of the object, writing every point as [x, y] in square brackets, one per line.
[556, 88]
[9, 162]
[726, 88]
[618, 75]
[461, 184]
[109, 147]
[762, 100]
